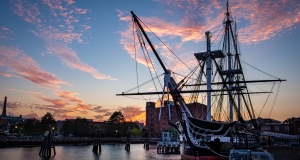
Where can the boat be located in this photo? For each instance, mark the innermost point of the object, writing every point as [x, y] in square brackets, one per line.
[212, 137]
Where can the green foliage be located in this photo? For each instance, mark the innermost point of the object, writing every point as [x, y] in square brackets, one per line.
[116, 118]
[136, 132]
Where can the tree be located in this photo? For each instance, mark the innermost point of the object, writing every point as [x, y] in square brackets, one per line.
[32, 126]
[136, 132]
[116, 118]
[47, 120]
[81, 127]
[289, 120]
[68, 128]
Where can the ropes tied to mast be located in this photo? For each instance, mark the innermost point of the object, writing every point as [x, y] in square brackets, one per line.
[260, 70]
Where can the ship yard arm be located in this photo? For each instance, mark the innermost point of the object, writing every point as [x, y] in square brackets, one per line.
[239, 116]
[172, 85]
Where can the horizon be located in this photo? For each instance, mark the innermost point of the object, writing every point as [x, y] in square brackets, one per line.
[71, 58]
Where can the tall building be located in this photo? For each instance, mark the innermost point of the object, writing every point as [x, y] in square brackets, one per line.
[155, 126]
[7, 121]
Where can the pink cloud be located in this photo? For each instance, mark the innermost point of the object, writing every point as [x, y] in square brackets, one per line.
[69, 57]
[31, 115]
[130, 112]
[6, 34]
[265, 19]
[27, 11]
[58, 33]
[70, 96]
[100, 109]
[99, 118]
[21, 65]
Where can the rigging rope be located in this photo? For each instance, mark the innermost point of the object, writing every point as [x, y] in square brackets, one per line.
[266, 100]
[274, 100]
[137, 75]
[166, 46]
[260, 70]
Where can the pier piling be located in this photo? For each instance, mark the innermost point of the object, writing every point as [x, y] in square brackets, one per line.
[47, 144]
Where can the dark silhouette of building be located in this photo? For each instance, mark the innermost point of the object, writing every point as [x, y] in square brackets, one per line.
[155, 126]
[7, 121]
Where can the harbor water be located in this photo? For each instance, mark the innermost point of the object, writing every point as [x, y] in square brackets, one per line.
[108, 152]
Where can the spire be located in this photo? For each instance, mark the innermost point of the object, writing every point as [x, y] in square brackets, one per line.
[4, 108]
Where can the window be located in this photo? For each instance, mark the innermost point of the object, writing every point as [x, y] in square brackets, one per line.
[276, 128]
[287, 128]
[298, 129]
[266, 128]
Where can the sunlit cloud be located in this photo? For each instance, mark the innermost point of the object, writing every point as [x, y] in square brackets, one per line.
[131, 112]
[11, 105]
[6, 34]
[61, 29]
[98, 118]
[69, 57]
[31, 115]
[18, 64]
[100, 109]
[264, 20]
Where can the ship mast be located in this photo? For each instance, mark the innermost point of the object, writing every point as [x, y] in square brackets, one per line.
[229, 55]
[208, 74]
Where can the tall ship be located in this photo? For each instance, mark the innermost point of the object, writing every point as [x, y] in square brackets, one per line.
[219, 82]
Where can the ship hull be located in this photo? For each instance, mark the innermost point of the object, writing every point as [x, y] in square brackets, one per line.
[187, 153]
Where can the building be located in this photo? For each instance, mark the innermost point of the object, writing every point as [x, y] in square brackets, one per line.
[155, 126]
[7, 121]
[297, 126]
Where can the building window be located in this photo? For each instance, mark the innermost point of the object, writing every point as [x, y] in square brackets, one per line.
[266, 128]
[276, 128]
[298, 129]
[287, 128]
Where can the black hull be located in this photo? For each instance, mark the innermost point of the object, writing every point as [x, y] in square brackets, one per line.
[220, 150]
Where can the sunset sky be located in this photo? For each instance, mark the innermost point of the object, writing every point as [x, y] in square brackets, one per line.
[71, 58]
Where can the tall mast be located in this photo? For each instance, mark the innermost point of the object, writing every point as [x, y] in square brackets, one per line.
[208, 74]
[229, 55]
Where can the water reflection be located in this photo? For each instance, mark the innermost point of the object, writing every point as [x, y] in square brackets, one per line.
[109, 151]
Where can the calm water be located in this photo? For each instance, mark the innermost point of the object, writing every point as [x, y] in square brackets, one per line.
[109, 151]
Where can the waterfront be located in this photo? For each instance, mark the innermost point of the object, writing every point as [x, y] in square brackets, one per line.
[109, 152]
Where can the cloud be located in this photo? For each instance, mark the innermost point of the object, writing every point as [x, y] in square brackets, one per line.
[69, 57]
[70, 96]
[11, 105]
[98, 118]
[108, 114]
[18, 64]
[264, 20]
[31, 115]
[100, 109]
[62, 27]
[6, 34]
[131, 112]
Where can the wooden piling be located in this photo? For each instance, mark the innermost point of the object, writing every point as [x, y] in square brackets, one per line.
[97, 142]
[47, 144]
[127, 145]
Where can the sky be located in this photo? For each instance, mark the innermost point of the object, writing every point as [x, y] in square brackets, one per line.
[71, 58]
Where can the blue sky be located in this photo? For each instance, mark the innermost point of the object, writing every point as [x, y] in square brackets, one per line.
[71, 57]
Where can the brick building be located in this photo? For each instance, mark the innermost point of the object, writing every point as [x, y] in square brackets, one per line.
[275, 126]
[155, 126]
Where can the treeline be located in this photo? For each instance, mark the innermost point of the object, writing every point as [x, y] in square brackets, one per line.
[80, 127]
